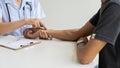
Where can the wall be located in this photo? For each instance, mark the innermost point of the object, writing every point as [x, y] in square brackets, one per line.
[65, 14]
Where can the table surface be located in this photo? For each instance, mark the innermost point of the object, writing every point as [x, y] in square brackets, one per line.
[48, 54]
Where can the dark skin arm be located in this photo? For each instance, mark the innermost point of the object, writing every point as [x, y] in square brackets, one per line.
[72, 34]
[86, 52]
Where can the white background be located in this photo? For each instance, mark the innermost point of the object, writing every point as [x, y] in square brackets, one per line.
[65, 14]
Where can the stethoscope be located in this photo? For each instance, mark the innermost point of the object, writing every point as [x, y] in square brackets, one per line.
[27, 3]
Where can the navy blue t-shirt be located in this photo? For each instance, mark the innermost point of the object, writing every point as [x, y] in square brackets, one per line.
[107, 23]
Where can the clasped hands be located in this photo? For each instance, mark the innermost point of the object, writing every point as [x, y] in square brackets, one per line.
[38, 30]
[33, 33]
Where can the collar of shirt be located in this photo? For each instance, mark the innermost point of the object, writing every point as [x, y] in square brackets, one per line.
[12, 2]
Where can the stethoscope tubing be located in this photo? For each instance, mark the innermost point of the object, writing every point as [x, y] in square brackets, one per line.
[9, 17]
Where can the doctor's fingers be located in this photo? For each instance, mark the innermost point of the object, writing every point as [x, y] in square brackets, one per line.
[33, 21]
[42, 25]
[38, 24]
[43, 35]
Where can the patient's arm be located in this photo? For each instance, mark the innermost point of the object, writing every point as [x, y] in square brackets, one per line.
[31, 33]
[86, 52]
[72, 34]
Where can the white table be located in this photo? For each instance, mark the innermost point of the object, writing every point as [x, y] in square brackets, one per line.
[48, 54]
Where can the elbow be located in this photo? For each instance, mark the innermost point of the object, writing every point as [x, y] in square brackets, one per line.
[84, 61]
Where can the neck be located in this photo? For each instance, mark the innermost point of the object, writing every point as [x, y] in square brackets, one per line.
[19, 2]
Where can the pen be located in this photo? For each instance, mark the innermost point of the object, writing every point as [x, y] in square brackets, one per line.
[30, 44]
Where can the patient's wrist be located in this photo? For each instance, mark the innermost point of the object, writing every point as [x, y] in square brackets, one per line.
[48, 31]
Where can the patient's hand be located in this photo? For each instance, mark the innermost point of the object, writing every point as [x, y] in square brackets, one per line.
[32, 33]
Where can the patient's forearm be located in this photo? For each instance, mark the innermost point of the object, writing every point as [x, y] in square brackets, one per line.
[71, 34]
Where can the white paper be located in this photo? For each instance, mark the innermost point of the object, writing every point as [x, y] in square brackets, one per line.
[15, 42]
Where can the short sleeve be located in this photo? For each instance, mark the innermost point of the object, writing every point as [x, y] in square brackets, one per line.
[108, 26]
[95, 19]
[39, 10]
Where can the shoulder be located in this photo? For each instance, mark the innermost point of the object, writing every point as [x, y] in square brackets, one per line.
[109, 4]
[115, 1]
[111, 7]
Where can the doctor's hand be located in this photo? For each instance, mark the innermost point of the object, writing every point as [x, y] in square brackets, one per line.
[44, 35]
[36, 23]
[32, 33]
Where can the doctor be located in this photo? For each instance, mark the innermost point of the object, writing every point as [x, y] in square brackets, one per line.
[17, 15]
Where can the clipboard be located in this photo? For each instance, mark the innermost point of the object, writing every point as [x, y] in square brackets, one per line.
[17, 43]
